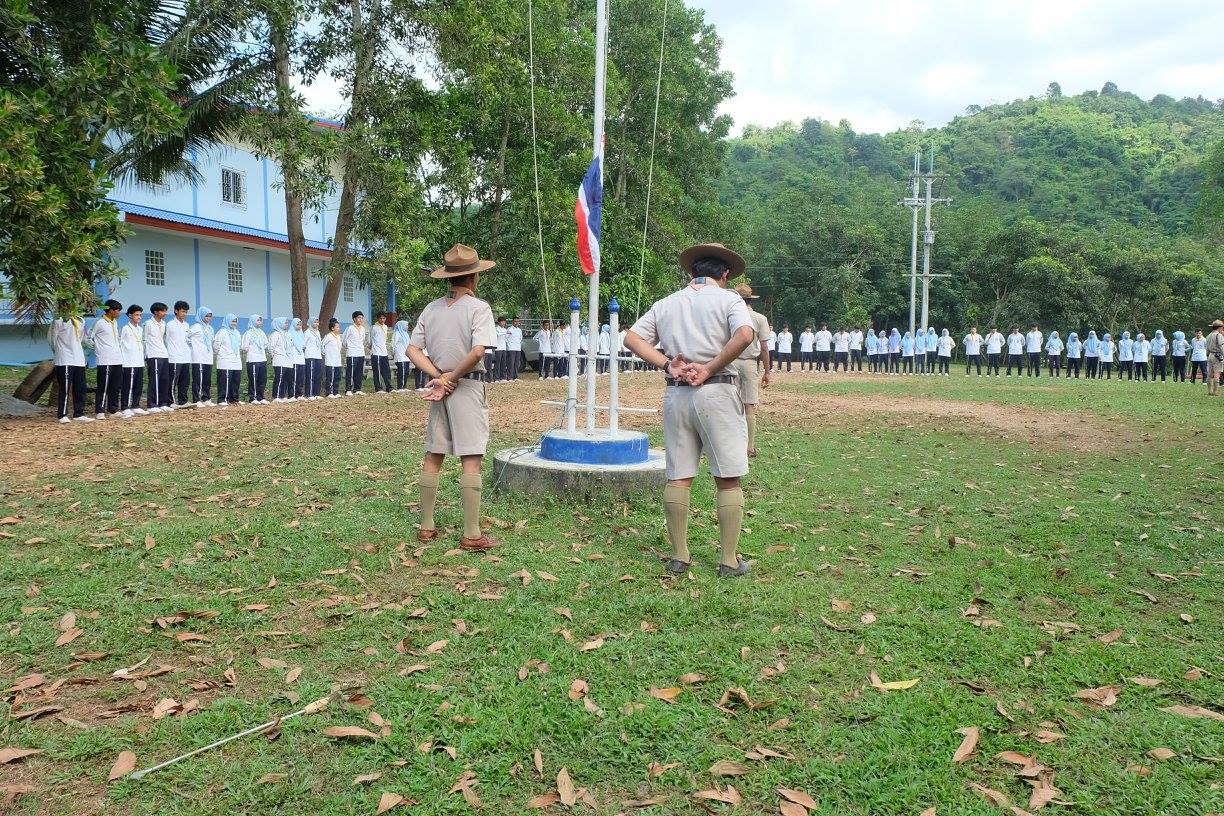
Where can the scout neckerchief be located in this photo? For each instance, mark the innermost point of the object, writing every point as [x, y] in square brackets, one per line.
[138, 336]
[114, 329]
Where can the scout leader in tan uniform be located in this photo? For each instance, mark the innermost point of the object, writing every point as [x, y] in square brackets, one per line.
[746, 365]
[456, 329]
[702, 329]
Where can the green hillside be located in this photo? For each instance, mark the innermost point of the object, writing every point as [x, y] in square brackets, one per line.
[1076, 211]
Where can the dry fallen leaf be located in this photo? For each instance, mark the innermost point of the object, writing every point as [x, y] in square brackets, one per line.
[578, 689]
[1146, 682]
[839, 605]
[1102, 697]
[967, 744]
[990, 794]
[1046, 736]
[293, 674]
[1194, 712]
[124, 765]
[892, 685]
[363, 778]
[728, 767]
[729, 796]
[349, 732]
[658, 770]
[268, 779]
[565, 788]
[68, 637]
[591, 645]
[8, 755]
[798, 797]
[667, 695]
[436, 646]
[387, 801]
[544, 800]
[786, 808]
[1110, 637]
[1161, 754]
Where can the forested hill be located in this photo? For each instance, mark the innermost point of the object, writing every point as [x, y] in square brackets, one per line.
[1072, 210]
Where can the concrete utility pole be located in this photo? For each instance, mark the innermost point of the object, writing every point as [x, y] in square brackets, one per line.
[914, 203]
[928, 238]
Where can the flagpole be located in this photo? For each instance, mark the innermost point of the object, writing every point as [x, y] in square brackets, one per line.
[601, 56]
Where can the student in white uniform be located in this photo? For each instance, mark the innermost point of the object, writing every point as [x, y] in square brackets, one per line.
[380, 359]
[1015, 351]
[131, 346]
[399, 353]
[841, 350]
[545, 360]
[807, 349]
[785, 343]
[157, 360]
[1075, 353]
[1105, 357]
[1160, 356]
[994, 350]
[603, 352]
[354, 355]
[703, 328]
[1198, 356]
[1054, 349]
[333, 358]
[255, 347]
[1126, 356]
[66, 336]
[1177, 350]
[973, 350]
[1033, 346]
[824, 347]
[500, 361]
[178, 347]
[200, 339]
[944, 351]
[280, 347]
[1092, 355]
[103, 338]
[1141, 351]
[314, 360]
[560, 360]
[872, 349]
[773, 350]
[514, 349]
[856, 349]
[297, 350]
[227, 347]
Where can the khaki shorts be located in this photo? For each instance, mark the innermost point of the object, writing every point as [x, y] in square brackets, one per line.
[709, 419]
[747, 381]
[459, 424]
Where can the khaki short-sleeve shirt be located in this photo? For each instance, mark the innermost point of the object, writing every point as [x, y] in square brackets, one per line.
[450, 329]
[697, 321]
[761, 331]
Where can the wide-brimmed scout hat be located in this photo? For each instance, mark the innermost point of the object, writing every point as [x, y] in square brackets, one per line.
[695, 253]
[745, 291]
[460, 260]
[1217, 324]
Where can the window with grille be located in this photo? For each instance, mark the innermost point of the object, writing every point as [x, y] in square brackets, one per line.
[155, 267]
[234, 276]
[233, 187]
[349, 288]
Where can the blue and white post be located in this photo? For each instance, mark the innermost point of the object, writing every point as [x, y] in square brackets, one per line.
[613, 366]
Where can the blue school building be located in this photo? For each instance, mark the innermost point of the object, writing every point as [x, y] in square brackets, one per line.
[220, 241]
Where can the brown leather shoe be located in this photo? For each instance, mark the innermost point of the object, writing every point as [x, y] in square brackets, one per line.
[478, 544]
[425, 536]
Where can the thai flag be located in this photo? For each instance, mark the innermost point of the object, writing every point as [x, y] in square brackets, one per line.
[587, 212]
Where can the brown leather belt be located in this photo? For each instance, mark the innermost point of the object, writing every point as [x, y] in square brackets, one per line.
[717, 378]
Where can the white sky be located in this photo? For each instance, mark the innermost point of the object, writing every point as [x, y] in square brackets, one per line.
[882, 63]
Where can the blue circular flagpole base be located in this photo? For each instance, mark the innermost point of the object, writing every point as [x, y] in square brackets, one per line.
[599, 448]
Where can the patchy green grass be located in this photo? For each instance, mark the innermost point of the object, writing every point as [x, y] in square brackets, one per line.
[873, 533]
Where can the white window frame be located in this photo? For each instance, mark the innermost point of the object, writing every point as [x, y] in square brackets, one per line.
[243, 188]
[155, 267]
[349, 287]
[230, 268]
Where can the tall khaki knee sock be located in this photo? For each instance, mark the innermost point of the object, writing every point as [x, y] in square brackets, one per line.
[429, 497]
[730, 521]
[470, 485]
[676, 511]
[752, 430]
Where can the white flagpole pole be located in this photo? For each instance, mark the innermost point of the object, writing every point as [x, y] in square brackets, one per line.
[601, 55]
[613, 366]
[571, 405]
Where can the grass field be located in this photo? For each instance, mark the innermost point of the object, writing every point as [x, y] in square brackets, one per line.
[1003, 544]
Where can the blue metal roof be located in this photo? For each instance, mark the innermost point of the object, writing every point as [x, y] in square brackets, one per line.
[209, 223]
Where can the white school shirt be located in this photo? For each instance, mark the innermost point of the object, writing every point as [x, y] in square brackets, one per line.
[378, 340]
[200, 339]
[556, 342]
[155, 339]
[1015, 343]
[841, 342]
[514, 338]
[807, 341]
[944, 345]
[1142, 350]
[1198, 349]
[500, 335]
[785, 341]
[973, 344]
[856, 340]
[332, 346]
[65, 338]
[177, 345]
[281, 346]
[103, 337]
[994, 343]
[314, 345]
[1179, 347]
[1054, 347]
[824, 339]
[131, 346]
[1033, 341]
[1106, 351]
[255, 344]
[227, 360]
[605, 344]
[399, 347]
[1126, 350]
[543, 340]
[355, 340]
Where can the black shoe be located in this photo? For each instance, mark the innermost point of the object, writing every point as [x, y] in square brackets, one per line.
[733, 572]
[678, 567]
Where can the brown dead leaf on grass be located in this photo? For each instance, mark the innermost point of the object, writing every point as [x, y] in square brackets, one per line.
[892, 685]
[968, 744]
[1102, 697]
[651, 801]
[364, 778]
[464, 784]
[1045, 736]
[736, 694]
[1194, 712]
[1146, 682]
[1109, 637]
[565, 788]
[271, 778]
[8, 755]
[544, 800]
[786, 808]
[349, 732]
[124, 765]
[1161, 754]
[729, 796]
[798, 797]
[990, 794]
[657, 770]
[592, 645]
[387, 801]
[692, 678]
[578, 689]
[667, 695]
[728, 767]
[69, 636]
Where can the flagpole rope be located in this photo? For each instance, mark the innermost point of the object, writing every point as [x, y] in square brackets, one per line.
[535, 162]
[654, 135]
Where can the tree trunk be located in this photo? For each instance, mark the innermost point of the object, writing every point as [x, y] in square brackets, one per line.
[499, 186]
[299, 278]
[346, 217]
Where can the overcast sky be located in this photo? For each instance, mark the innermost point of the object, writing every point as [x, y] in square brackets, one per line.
[882, 63]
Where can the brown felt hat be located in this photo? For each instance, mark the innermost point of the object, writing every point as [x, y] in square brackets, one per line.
[695, 253]
[1217, 324]
[745, 291]
[460, 260]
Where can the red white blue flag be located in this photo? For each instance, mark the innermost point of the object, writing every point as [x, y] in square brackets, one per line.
[587, 212]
